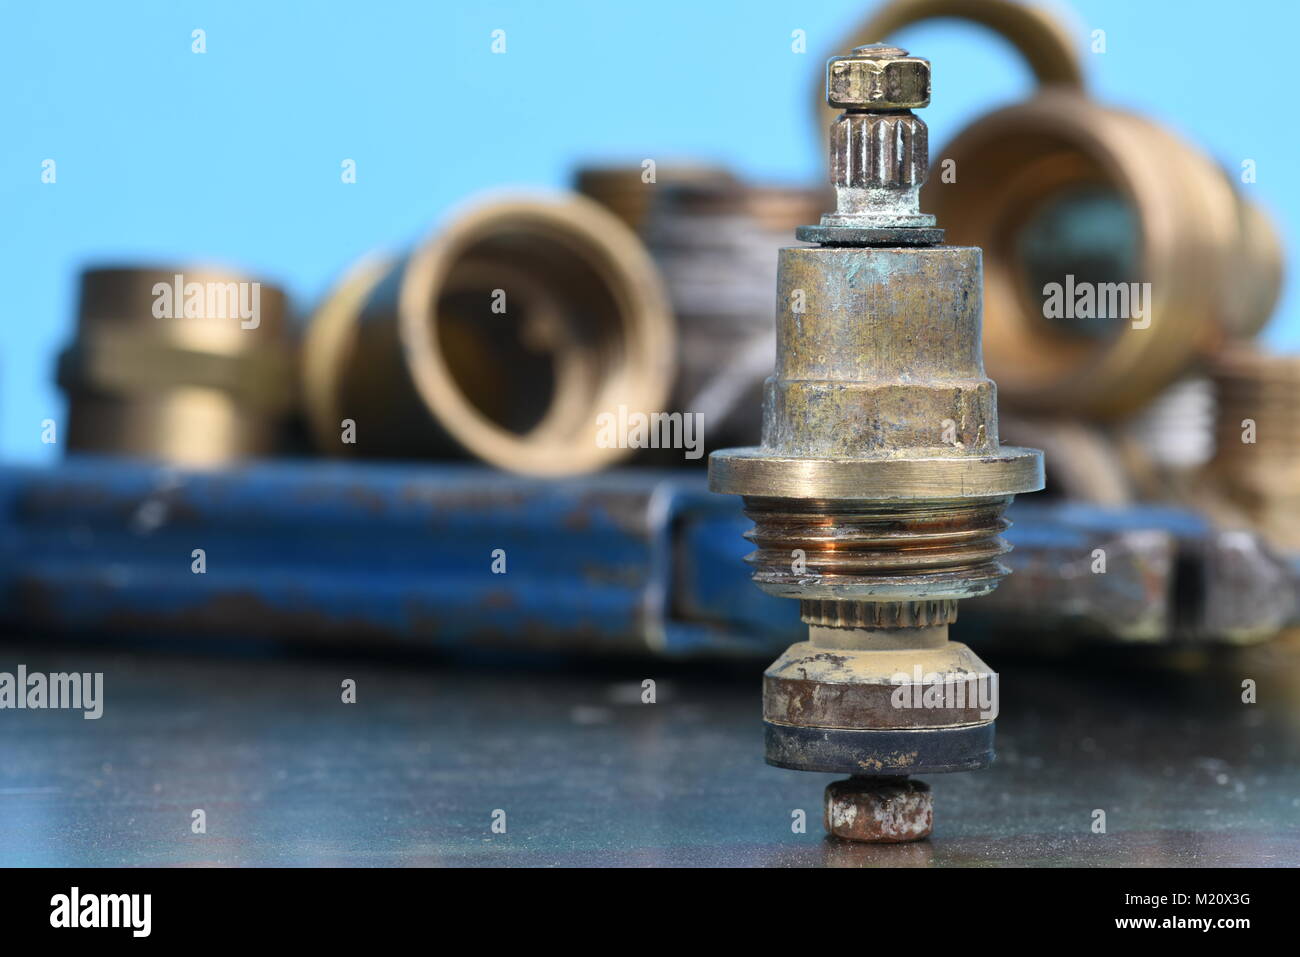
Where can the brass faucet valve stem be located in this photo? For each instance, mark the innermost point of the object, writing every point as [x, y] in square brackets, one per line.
[879, 488]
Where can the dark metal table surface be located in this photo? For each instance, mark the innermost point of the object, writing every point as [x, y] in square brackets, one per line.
[587, 774]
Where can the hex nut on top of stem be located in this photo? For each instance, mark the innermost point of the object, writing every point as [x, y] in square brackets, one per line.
[876, 78]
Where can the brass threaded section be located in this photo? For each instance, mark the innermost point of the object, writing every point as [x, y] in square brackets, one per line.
[876, 150]
[864, 539]
[878, 614]
[1257, 441]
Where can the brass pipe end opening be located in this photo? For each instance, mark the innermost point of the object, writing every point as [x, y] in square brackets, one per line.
[1115, 254]
[504, 336]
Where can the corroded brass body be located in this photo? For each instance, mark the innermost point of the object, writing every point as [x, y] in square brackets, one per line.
[878, 491]
[504, 336]
[144, 378]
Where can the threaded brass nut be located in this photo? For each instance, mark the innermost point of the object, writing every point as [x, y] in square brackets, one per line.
[878, 77]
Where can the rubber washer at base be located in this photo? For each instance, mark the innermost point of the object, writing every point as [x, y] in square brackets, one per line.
[873, 752]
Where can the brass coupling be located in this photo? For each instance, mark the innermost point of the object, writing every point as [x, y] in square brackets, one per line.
[187, 365]
[1256, 465]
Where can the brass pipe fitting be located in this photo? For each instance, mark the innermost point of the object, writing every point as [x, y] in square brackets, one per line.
[187, 365]
[1062, 190]
[878, 491]
[504, 335]
[1031, 179]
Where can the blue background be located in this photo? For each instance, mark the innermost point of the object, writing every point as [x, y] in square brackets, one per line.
[233, 156]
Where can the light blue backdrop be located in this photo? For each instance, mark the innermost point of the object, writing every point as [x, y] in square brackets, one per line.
[233, 156]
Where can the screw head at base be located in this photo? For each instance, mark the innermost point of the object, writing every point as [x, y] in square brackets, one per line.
[879, 810]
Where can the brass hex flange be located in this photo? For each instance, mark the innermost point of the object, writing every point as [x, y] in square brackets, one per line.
[1008, 471]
